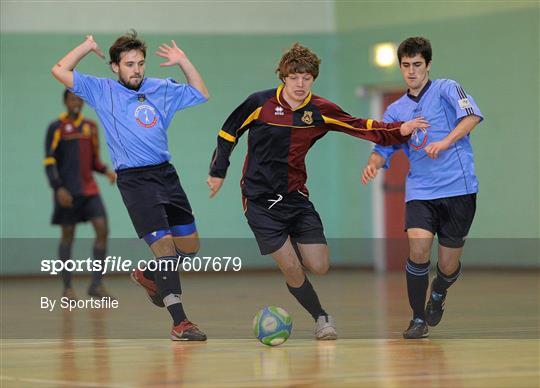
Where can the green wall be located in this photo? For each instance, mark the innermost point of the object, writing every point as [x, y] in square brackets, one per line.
[494, 55]
[233, 67]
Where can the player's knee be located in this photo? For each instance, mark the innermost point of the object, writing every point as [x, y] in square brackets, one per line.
[189, 246]
[102, 233]
[153, 237]
[319, 267]
[419, 254]
[291, 269]
[447, 266]
[186, 239]
[67, 239]
[68, 234]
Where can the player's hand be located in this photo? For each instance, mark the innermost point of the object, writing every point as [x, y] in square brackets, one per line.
[93, 46]
[434, 149]
[173, 54]
[64, 197]
[369, 173]
[214, 184]
[409, 126]
[111, 176]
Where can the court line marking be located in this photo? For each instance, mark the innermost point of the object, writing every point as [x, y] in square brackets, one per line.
[68, 383]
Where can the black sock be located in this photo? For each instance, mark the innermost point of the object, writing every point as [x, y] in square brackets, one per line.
[417, 285]
[166, 277]
[168, 283]
[64, 253]
[150, 275]
[99, 255]
[442, 282]
[174, 305]
[307, 297]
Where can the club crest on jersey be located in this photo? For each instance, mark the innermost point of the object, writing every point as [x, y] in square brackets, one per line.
[307, 117]
[278, 111]
[419, 139]
[146, 116]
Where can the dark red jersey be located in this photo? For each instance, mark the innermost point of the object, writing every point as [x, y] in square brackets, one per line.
[72, 153]
[280, 137]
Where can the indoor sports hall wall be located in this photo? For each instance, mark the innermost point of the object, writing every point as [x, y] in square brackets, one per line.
[492, 52]
[495, 56]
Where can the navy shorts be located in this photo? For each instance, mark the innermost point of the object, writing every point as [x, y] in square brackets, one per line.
[84, 209]
[154, 198]
[273, 220]
[449, 218]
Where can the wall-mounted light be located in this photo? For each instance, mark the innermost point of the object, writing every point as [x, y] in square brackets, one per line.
[384, 54]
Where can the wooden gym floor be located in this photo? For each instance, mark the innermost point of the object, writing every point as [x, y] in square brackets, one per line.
[489, 336]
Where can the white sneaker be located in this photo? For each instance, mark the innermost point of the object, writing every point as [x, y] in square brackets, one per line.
[325, 328]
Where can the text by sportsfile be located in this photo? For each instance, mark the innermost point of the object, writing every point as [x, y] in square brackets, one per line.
[118, 264]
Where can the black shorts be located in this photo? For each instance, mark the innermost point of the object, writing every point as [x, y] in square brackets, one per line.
[84, 208]
[450, 218]
[272, 222]
[154, 198]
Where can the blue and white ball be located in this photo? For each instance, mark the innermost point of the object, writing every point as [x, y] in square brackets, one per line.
[272, 325]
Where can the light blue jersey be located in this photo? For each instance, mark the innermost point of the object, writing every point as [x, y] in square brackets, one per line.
[443, 103]
[136, 121]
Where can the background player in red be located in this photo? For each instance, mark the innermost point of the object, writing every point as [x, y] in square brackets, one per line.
[71, 156]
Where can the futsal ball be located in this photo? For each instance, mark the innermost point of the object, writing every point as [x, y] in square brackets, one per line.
[272, 325]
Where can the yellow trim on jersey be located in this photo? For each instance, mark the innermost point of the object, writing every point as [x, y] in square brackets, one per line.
[56, 139]
[369, 124]
[303, 104]
[291, 126]
[278, 92]
[306, 101]
[252, 117]
[226, 136]
[65, 116]
[86, 131]
[49, 161]
[329, 120]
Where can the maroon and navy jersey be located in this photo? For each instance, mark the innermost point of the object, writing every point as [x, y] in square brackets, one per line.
[280, 137]
[72, 153]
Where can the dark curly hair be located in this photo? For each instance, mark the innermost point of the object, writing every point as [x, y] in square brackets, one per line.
[126, 42]
[298, 59]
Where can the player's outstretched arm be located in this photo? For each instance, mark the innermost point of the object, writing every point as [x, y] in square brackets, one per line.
[214, 184]
[409, 126]
[175, 56]
[375, 162]
[63, 70]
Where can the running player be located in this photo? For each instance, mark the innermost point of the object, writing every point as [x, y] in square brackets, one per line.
[441, 186]
[283, 124]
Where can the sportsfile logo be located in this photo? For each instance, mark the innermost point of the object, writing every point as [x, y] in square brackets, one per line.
[119, 264]
[279, 111]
